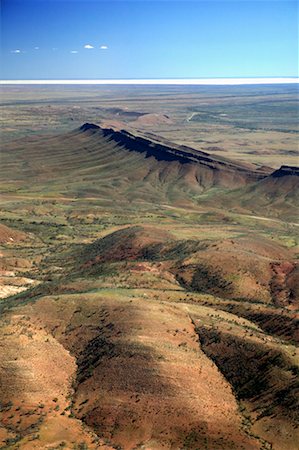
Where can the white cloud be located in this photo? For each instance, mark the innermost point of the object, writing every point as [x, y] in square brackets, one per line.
[88, 46]
[16, 51]
[104, 47]
[74, 51]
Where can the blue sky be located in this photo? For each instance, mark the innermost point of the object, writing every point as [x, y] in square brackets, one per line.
[45, 39]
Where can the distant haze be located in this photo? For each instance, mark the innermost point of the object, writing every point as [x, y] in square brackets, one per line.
[181, 81]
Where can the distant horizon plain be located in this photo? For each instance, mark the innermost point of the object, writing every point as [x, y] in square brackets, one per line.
[161, 81]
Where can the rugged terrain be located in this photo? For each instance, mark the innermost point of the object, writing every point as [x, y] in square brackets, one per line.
[149, 295]
[257, 123]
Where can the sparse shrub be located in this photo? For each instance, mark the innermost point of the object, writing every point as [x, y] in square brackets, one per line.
[81, 446]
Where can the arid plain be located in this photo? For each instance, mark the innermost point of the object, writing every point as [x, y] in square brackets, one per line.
[149, 273]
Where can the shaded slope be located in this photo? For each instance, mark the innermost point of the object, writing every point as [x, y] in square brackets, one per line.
[130, 365]
[281, 186]
[117, 168]
[275, 195]
[263, 378]
[91, 161]
[246, 268]
[141, 376]
[117, 314]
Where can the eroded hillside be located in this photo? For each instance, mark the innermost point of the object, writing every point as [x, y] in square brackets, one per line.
[157, 317]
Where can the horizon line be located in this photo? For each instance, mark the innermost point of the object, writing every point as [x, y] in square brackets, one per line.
[162, 81]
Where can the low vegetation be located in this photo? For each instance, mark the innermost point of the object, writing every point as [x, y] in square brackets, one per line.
[149, 291]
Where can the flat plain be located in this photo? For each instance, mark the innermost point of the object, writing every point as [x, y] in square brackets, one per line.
[252, 123]
[149, 274]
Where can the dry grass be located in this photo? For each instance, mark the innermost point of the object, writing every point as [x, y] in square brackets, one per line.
[163, 308]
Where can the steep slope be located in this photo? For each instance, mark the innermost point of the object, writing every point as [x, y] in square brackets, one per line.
[118, 167]
[141, 377]
[157, 288]
[141, 362]
[281, 186]
[247, 268]
[93, 161]
[274, 195]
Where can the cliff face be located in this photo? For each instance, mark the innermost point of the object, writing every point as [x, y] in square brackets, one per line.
[284, 171]
[275, 195]
[161, 312]
[168, 151]
[96, 160]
